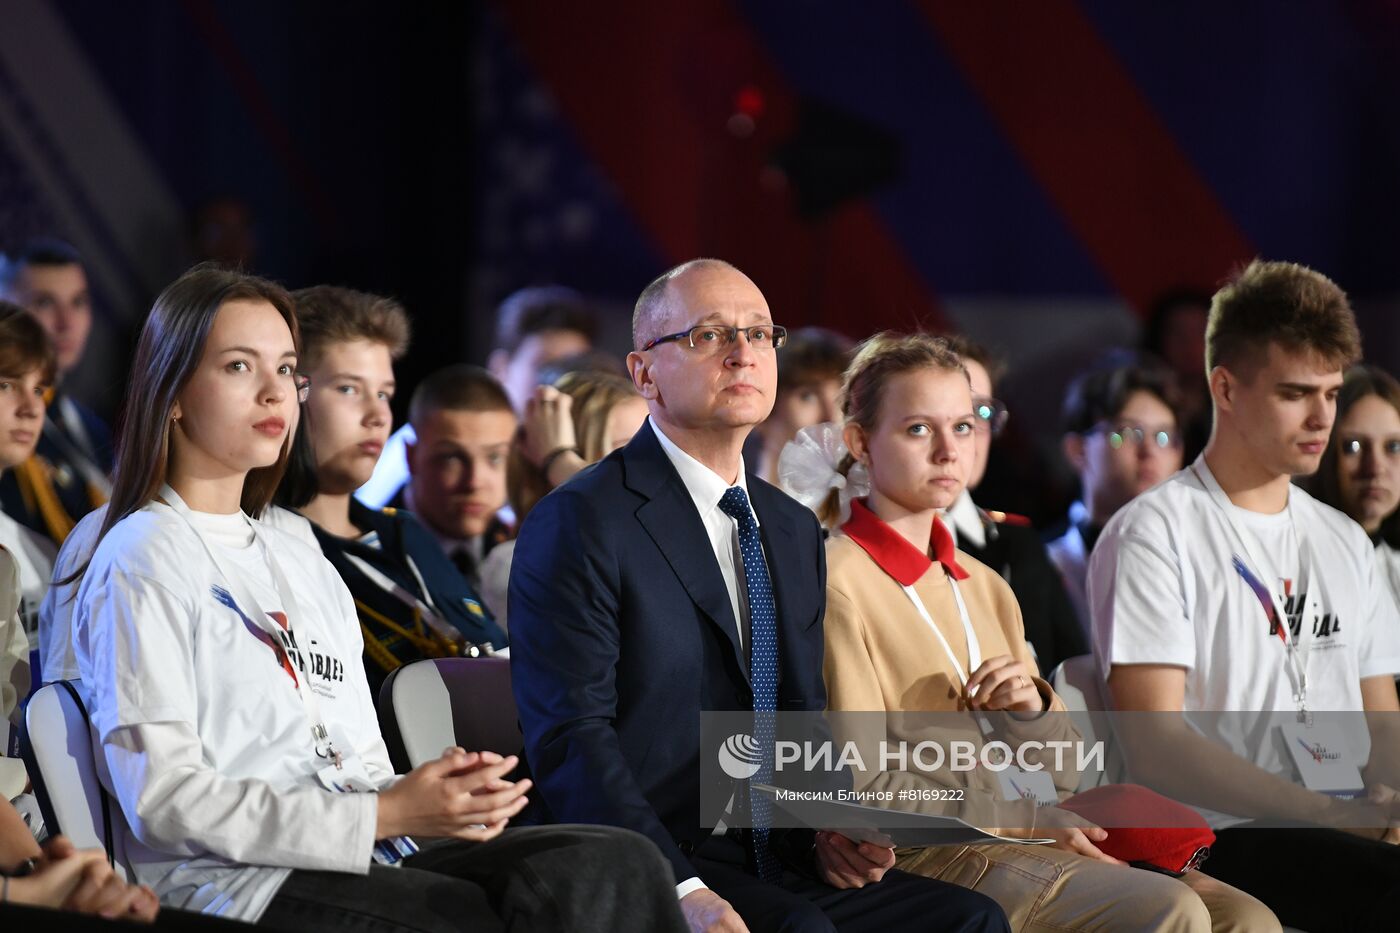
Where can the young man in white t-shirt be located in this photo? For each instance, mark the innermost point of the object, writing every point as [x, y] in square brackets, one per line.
[1227, 590]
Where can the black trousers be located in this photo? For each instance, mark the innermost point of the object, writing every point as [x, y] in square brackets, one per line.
[899, 903]
[1315, 879]
[528, 880]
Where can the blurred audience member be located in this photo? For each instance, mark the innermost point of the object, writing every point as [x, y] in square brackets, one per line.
[222, 232]
[536, 328]
[1175, 333]
[27, 370]
[809, 389]
[593, 361]
[1360, 472]
[464, 424]
[1122, 439]
[68, 476]
[411, 601]
[579, 420]
[1007, 543]
[60, 877]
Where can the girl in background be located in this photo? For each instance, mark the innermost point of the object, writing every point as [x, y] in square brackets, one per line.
[1360, 471]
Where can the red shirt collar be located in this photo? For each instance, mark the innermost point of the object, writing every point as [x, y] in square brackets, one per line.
[893, 552]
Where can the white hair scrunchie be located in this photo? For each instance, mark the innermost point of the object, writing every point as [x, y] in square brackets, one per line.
[807, 469]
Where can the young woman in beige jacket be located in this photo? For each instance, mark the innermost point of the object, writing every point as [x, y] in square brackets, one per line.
[914, 626]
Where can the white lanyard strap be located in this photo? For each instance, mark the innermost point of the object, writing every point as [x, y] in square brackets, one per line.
[974, 647]
[246, 604]
[1295, 663]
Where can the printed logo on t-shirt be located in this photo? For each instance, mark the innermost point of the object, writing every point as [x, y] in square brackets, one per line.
[1324, 625]
[319, 667]
[279, 651]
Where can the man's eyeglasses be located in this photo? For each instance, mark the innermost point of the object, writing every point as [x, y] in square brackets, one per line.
[713, 338]
[1118, 435]
[991, 414]
[303, 383]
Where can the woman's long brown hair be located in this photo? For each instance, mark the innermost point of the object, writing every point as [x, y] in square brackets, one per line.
[170, 348]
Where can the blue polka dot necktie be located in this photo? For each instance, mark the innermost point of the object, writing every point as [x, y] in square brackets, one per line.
[763, 671]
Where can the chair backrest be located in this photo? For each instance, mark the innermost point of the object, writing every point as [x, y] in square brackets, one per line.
[430, 705]
[58, 745]
[1076, 681]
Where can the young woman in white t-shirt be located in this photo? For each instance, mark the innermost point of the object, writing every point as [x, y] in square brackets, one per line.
[222, 657]
[1360, 472]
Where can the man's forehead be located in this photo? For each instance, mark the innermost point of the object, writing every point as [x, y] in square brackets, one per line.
[715, 294]
[470, 427]
[50, 277]
[1302, 366]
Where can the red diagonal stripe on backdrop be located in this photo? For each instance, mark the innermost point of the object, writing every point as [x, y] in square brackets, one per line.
[648, 89]
[1093, 142]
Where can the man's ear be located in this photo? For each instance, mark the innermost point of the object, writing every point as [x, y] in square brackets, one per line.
[497, 363]
[409, 448]
[853, 435]
[641, 376]
[1222, 388]
[1073, 447]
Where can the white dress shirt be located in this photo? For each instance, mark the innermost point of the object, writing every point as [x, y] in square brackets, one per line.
[706, 488]
[964, 521]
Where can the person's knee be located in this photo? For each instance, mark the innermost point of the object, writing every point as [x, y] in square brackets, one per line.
[805, 918]
[1246, 915]
[628, 853]
[962, 910]
[1181, 908]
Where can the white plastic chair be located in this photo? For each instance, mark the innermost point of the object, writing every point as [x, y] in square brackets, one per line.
[58, 745]
[430, 705]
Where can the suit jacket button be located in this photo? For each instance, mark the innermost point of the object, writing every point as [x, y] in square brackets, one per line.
[687, 848]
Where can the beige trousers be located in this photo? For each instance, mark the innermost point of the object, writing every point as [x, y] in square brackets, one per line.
[1043, 889]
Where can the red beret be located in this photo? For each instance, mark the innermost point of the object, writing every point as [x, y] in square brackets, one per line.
[1143, 826]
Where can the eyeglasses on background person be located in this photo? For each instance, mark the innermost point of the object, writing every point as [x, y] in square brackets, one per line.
[1118, 435]
[991, 414]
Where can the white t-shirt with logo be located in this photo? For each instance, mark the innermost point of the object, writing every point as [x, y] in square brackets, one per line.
[56, 650]
[205, 736]
[1163, 589]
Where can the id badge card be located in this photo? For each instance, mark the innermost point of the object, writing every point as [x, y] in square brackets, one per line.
[347, 775]
[1017, 784]
[1322, 759]
[350, 777]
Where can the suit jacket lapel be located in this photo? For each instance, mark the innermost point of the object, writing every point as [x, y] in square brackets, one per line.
[670, 519]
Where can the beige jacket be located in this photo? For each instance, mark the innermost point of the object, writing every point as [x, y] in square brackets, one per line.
[882, 657]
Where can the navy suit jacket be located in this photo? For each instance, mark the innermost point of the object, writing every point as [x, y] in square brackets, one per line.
[622, 632]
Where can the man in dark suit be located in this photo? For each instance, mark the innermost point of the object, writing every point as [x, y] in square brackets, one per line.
[663, 582]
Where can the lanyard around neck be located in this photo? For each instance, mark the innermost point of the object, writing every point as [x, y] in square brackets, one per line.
[247, 606]
[1294, 662]
[974, 647]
